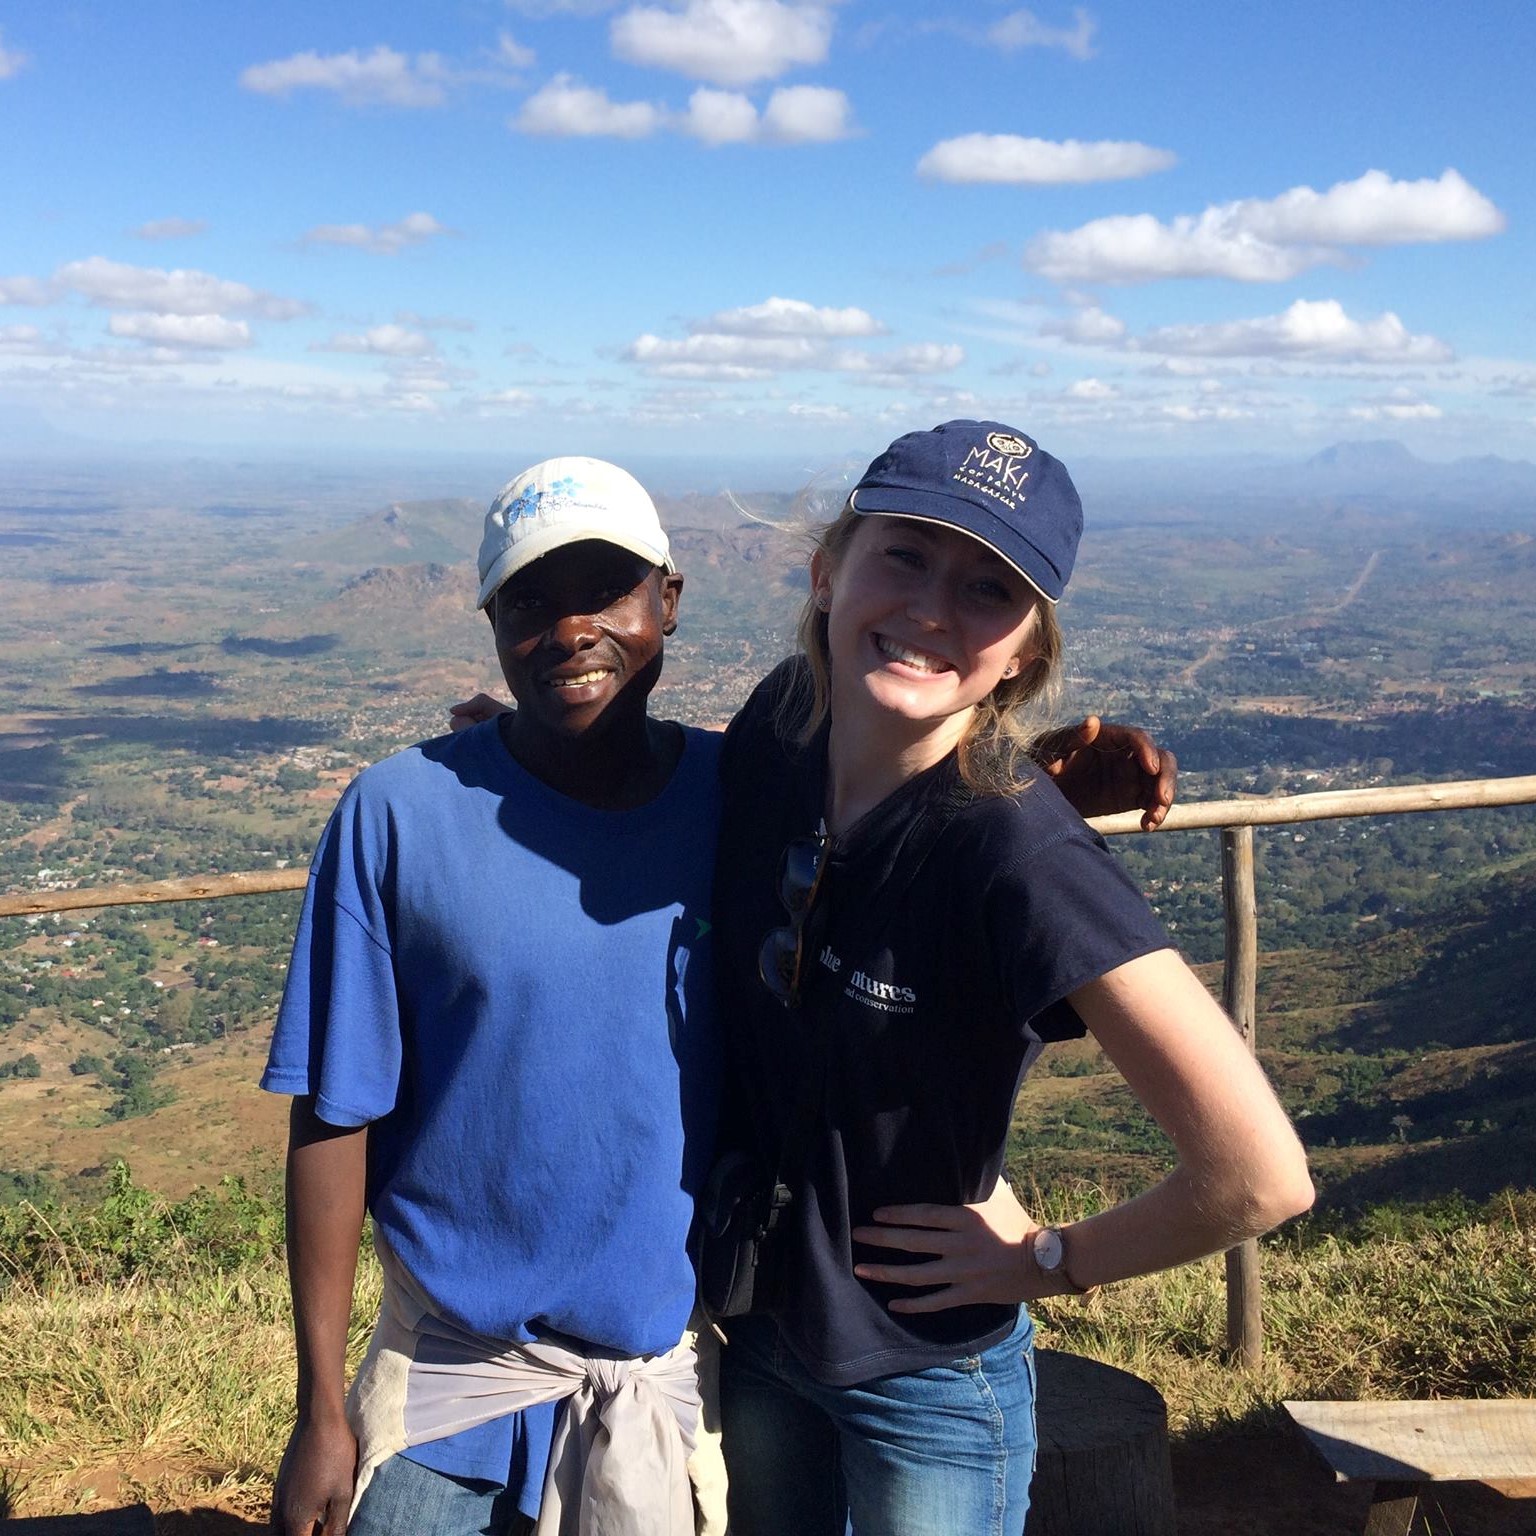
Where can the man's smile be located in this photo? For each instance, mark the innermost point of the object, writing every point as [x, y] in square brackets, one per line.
[578, 679]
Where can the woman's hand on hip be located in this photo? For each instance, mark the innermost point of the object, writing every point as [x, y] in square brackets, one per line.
[975, 1253]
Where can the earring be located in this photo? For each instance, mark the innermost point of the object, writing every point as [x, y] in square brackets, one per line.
[823, 601]
[1011, 669]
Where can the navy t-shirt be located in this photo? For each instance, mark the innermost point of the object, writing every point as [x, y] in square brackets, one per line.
[515, 992]
[948, 932]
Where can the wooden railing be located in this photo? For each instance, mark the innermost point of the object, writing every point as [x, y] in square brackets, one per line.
[1235, 819]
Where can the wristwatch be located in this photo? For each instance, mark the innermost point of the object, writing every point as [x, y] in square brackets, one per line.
[1050, 1254]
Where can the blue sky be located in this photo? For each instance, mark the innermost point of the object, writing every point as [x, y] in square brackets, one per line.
[698, 227]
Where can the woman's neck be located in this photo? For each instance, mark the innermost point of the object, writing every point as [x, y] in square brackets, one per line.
[871, 758]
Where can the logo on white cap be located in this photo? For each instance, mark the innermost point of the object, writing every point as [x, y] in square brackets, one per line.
[563, 501]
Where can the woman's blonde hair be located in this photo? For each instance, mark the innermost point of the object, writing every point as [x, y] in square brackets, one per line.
[995, 748]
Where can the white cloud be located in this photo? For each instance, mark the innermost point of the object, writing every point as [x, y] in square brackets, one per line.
[23, 340]
[170, 229]
[1088, 326]
[505, 402]
[116, 285]
[1419, 411]
[1023, 29]
[807, 114]
[434, 322]
[213, 332]
[770, 347]
[1400, 404]
[720, 117]
[805, 410]
[24, 290]
[566, 108]
[795, 114]
[726, 42]
[379, 78]
[923, 357]
[1008, 158]
[1136, 248]
[1091, 389]
[759, 353]
[12, 61]
[1256, 240]
[1308, 329]
[414, 402]
[800, 114]
[380, 341]
[413, 229]
[1375, 210]
[789, 317]
[512, 53]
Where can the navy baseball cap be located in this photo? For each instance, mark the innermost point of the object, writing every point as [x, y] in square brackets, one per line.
[989, 481]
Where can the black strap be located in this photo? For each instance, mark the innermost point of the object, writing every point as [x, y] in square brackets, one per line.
[924, 832]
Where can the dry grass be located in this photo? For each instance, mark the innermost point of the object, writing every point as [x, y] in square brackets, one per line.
[1428, 1312]
[174, 1385]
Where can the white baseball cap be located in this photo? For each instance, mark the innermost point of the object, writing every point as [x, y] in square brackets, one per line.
[563, 501]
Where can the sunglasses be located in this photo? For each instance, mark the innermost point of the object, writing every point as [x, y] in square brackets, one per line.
[782, 957]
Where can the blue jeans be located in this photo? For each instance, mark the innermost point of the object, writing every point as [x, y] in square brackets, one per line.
[406, 1499]
[948, 1451]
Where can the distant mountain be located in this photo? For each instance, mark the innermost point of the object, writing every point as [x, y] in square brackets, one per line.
[1384, 475]
[1388, 466]
[1381, 457]
[403, 533]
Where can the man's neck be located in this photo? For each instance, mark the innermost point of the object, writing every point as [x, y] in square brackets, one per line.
[616, 770]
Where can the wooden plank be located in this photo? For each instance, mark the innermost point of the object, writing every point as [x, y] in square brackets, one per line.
[257, 882]
[1282, 810]
[1433, 1442]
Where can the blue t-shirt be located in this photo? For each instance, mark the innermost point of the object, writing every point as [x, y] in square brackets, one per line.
[514, 991]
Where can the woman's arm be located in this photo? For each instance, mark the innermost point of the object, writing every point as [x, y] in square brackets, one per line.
[1241, 1169]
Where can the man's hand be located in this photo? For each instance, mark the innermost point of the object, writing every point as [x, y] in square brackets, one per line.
[1102, 768]
[313, 1496]
[980, 1253]
[474, 711]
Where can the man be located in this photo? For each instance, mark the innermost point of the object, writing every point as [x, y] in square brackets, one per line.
[496, 1030]
[495, 1023]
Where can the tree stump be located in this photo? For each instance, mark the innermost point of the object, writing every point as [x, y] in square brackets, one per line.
[1103, 1467]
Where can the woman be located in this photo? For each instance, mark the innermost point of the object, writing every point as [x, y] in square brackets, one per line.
[907, 911]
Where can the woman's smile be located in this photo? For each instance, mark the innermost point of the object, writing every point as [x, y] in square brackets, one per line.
[919, 661]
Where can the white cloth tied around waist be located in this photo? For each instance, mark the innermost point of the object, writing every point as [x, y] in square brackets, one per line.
[618, 1463]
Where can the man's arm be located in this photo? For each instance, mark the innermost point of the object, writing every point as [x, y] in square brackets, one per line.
[327, 1169]
[1102, 768]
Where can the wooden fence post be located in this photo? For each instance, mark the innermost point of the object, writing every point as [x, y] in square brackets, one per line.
[1239, 993]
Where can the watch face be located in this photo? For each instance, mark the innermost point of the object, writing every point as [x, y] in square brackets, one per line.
[1048, 1249]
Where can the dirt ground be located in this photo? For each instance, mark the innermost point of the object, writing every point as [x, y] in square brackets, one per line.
[1247, 1484]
